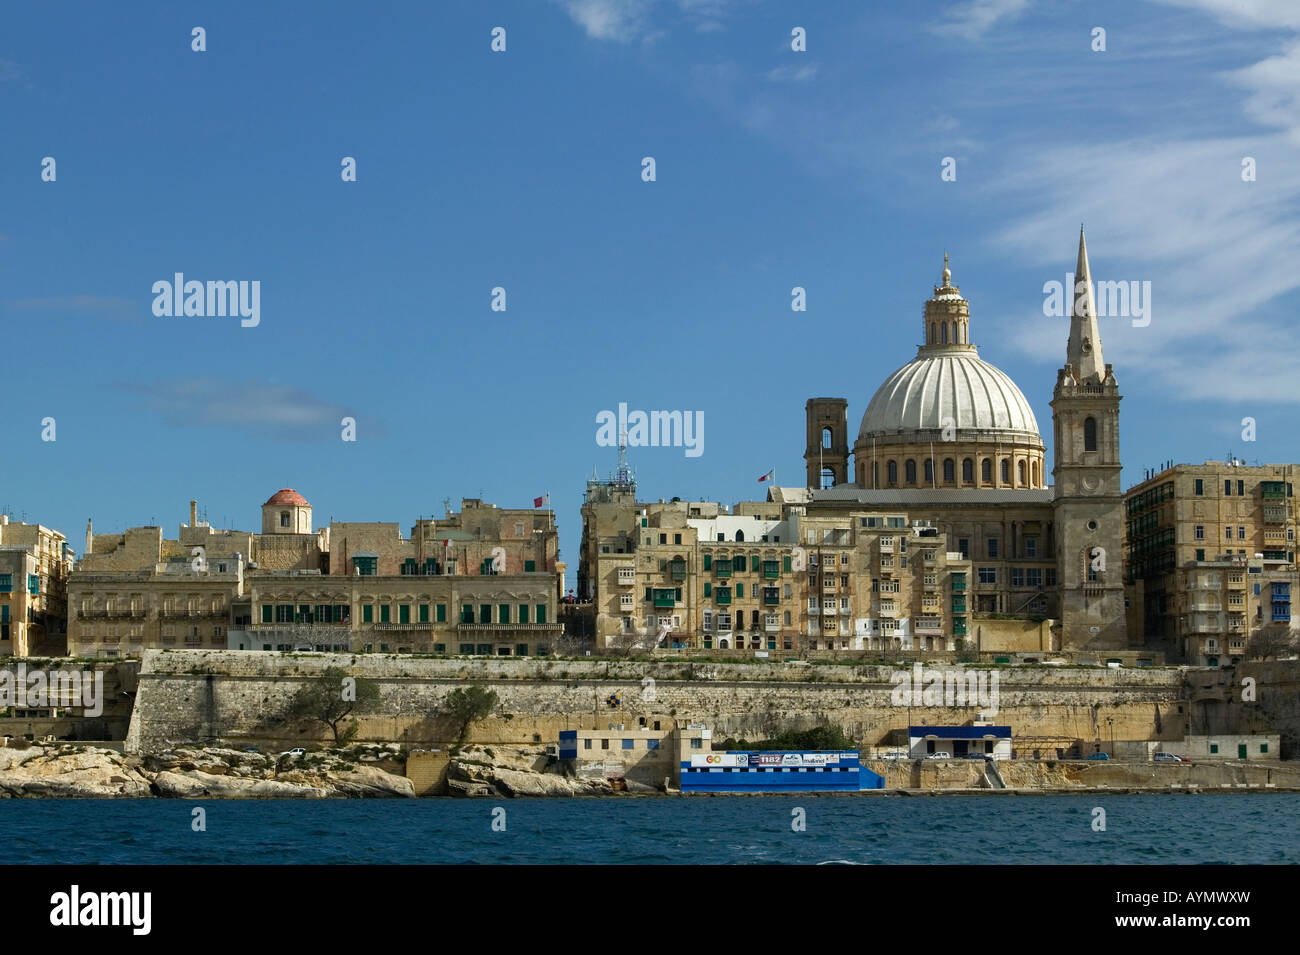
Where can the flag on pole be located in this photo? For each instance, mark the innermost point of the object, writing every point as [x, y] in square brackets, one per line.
[539, 501]
[768, 475]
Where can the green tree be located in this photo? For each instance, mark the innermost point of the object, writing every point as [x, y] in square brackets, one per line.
[333, 698]
[467, 705]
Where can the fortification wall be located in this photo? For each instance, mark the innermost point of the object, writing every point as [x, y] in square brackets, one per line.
[1277, 697]
[208, 696]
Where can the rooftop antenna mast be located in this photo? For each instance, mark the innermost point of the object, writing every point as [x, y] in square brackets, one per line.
[623, 476]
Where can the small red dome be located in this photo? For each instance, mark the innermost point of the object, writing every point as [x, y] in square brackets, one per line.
[287, 495]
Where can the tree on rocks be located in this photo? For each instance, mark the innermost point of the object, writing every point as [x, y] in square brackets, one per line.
[467, 705]
[333, 698]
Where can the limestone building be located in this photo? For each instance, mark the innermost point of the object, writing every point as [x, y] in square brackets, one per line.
[947, 529]
[480, 581]
[952, 441]
[1211, 556]
[483, 581]
[34, 565]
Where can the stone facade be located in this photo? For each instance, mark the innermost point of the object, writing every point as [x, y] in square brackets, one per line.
[361, 586]
[950, 441]
[236, 696]
[1210, 556]
[1088, 499]
[35, 562]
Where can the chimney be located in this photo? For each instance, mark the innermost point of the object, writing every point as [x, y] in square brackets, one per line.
[194, 513]
[90, 538]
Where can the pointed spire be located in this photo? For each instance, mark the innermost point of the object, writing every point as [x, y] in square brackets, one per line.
[947, 273]
[1084, 350]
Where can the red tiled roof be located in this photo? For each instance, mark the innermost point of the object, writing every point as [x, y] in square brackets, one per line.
[287, 495]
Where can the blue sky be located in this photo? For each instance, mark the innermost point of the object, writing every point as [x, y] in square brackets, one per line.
[522, 169]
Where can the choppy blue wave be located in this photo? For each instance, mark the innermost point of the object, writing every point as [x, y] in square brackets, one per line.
[1259, 828]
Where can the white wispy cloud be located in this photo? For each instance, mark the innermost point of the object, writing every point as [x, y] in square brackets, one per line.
[618, 20]
[624, 20]
[1273, 90]
[1246, 14]
[792, 74]
[972, 19]
[82, 306]
[262, 408]
[1176, 212]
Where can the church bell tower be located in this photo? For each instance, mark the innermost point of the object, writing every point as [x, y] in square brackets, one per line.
[1088, 503]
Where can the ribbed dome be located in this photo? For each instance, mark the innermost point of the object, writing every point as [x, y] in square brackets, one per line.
[948, 383]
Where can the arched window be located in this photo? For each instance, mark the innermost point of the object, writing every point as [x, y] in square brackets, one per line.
[828, 478]
[1033, 470]
[1006, 471]
[909, 471]
[891, 473]
[1020, 467]
[826, 438]
[954, 333]
[284, 515]
[967, 471]
[943, 326]
[1090, 434]
[929, 470]
[740, 535]
[986, 471]
[932, 333]
[948, 477]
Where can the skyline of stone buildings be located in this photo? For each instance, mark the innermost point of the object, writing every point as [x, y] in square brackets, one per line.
[948, 538]
[948, 459]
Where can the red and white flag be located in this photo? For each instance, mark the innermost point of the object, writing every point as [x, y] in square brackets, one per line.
[539, 501]
[768, 475]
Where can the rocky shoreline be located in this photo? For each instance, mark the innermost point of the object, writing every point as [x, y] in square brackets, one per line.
[70, 771]
[508, 772]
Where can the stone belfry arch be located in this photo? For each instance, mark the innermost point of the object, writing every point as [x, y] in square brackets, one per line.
[827, 440]
[1088, 502]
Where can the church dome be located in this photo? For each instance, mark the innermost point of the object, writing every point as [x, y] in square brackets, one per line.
[948, 385]
[905, 441]
[286, 496]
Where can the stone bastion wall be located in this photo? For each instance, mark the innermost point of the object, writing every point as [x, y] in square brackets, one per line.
[217, 696]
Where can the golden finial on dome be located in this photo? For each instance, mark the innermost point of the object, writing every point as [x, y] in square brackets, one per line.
[947, 275]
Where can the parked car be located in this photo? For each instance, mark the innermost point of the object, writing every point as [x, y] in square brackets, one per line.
[1098, 756]
[938, 755]
[1168, 758]
[297, 751]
